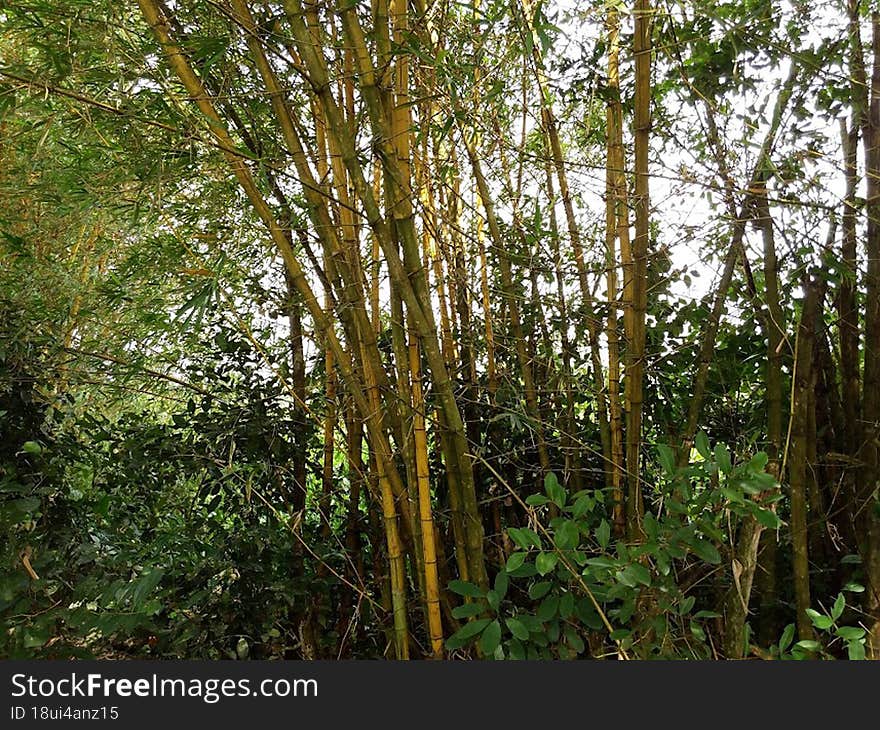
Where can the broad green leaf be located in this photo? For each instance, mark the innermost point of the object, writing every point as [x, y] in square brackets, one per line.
[850, 633]
[468, 631]
[502, 581]
[758, 462]
[536, 500]
[567, 536]
[582, 505]
[702, 444]
[516, 651]
[514, 562]
[855, 650]
[573, 640]
[493, 599]
[517, 628]
[603, 534]
[539, 590]
[839, 605]
[787, 637]
[566, 605]
[524, 537]
[490, 638]
[548, 608]
[768, 518]
[822, 622]
[705, 550]
[463, 588]
[667, 459]
[35, 637]
[554, 489]
[635, 574]
[144, 585]
[466, 610]
[602, 562]
[722, 457]
[546, 562]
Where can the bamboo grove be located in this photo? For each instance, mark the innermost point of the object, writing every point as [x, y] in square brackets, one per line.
[530, 410]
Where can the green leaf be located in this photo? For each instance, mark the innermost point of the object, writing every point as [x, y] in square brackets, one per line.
[731, 494]
[524, 537]
[491, 638]
[602, 562]
[584, 504]
[566, 605]
[466, 610]
[809, 645]
[820, 621]
[144, 586]
[702, 444]
[573, 639]
[516, 650]
[768, 518]
[705, 550]
[546, 562]
[548, 608]
[635, 574]
[758, 462]
[722, 456]
[536, 500]
[539, 590]
[854, 587]
[850, 633]
[502, 581]
[35, 637]
[463, 588]
[652, 527]
[587, 615]
[567, 535]
[31, 447]
[493, 599]
[466, 632]
[554, 489]
[855, 650]
[787, 637]
[667, 459]
[603, 534]
[514, 562]
[517, 628]
[839, 605]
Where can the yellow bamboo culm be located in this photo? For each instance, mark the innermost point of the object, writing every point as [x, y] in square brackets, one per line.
[396, 564]
[636, 360]
[616, 229]
[420, 437]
